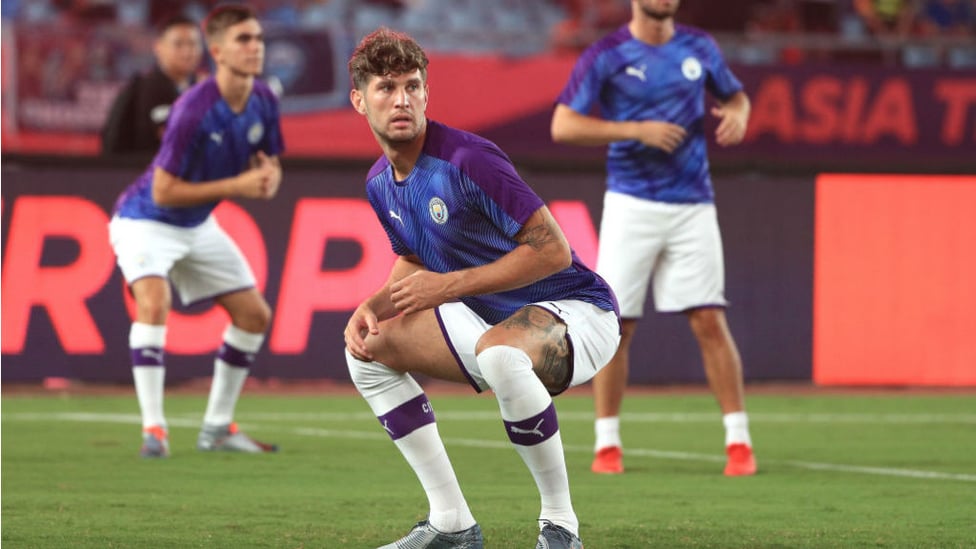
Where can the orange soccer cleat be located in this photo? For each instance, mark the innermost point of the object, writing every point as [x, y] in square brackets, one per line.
[741, 461]
[608, 461]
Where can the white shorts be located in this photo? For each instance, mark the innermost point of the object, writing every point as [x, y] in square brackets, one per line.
[678, 245]
[593, 336]
[201, 262]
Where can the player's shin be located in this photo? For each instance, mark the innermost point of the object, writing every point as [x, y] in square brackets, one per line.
[231, 367]
[532, 426]
[407, 416]
[146, 343]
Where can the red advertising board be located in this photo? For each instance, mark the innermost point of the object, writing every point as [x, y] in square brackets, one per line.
[894, 292]
[317, 251]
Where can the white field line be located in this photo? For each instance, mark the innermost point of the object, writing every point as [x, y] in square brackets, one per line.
[650, 417]
[185, 422]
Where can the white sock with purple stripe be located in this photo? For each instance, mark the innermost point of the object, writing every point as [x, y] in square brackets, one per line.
[405, 413]
[233, 363]
[532, 426]
[146, 342]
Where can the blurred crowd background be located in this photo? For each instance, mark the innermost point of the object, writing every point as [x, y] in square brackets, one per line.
[908, 32]
[65, 60]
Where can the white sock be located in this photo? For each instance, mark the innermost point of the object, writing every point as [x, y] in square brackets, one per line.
[607, 432]
[425, 452]
[146, 342]
[529, 417]
[405, 413]
[231, 368]
[737, 429]
[228, 381]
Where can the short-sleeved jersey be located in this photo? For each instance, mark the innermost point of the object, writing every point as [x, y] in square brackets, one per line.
[632, 80]
[461, 207]
[204, 141]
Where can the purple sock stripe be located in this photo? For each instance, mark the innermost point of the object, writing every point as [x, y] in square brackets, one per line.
[147, 356]
[534, 430]
[407, 417]
[234, 356]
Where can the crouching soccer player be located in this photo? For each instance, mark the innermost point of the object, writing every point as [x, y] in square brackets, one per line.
[485, 291]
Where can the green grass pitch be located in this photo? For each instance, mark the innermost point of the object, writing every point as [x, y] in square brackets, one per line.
[895, 469]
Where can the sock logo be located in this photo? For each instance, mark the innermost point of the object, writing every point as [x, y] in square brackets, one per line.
[147, 356]
[153, 354]
[533, 431]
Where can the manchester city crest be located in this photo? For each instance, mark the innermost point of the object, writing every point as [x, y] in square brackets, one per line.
[255, 133]
[691, 68]
[438, 210]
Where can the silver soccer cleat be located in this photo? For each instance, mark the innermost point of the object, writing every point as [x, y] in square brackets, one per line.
[227, 438]
[425, 536]
[557, 537]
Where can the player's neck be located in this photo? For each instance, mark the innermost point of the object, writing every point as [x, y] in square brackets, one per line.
[235, 88]
[655, 32]
[403, 156]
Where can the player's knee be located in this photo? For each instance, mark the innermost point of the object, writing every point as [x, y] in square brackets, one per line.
[369, 377]
[262, 316]
[151, 310]
[500, 363]
[708, 324]
[256, 318]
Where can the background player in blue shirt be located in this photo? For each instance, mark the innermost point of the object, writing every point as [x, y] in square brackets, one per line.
[222, 141]
[485, 291]
[649, 80]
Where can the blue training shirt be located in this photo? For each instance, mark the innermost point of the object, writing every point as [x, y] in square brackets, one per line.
[205, 140]
[461, 207]
[632, 80]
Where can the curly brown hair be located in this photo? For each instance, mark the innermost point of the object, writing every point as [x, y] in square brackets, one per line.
[384, 52]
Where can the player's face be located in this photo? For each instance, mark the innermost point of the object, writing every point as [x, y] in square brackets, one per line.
[658, 9]
[179, 50]
[241, 49]
[394, 105]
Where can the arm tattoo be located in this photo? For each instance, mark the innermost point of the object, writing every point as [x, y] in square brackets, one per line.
[537, 236]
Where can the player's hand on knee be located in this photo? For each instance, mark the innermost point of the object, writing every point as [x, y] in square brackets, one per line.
[363, 322]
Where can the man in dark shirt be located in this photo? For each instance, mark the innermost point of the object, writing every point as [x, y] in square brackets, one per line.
[138, 116]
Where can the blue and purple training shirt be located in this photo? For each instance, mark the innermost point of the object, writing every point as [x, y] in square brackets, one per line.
[461, 207]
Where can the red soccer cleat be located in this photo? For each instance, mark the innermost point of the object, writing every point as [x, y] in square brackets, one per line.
[608, 461]
[741, 461]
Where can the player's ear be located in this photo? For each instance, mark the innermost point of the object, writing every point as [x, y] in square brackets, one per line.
[214, 50]
[357, 100]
